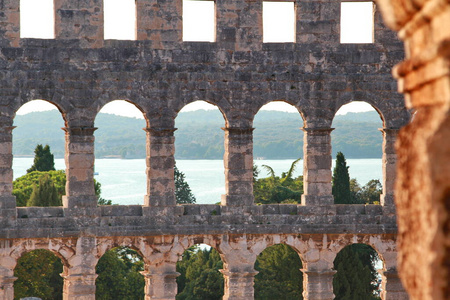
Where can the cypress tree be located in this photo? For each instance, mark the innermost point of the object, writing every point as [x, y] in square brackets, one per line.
[44, 193]
[183, 193]
[341, 181]
[43, 159]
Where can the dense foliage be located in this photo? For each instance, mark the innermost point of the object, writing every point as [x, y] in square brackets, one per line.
[356, 276]
[367, 194]
[37, 275]
[43, 159]
[23, 186]
[44, 193]
[279, 274]
[183, 193]
[200, 277]
[274, 189]
[341, 181]
[118, 275]
[199, 135]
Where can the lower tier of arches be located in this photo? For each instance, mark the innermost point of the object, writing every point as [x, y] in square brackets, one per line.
[238, 252]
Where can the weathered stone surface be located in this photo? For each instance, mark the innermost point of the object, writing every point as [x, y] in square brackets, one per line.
[79, 72]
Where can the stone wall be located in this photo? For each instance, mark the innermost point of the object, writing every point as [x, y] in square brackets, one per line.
[80, 72]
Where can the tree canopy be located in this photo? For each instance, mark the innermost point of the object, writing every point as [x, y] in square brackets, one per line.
[45, 193]
[43, 159]
[183, 193]
[341, 181]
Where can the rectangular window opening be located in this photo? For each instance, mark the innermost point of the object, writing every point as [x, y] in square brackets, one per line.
[357, 22]
[278, 22]
[199, 21]
[120, 19]
[37, 19]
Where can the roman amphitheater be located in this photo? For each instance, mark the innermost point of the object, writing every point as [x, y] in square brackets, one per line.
[79, 72]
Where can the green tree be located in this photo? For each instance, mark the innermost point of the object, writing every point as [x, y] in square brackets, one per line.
[23, 186]
[356, 276]
[43, 159]
[38, 276]
[279, 274]
[341, 181]
[200, 277]
[183, 193]
[118, 275]
[368, 194]
[44, 193]
[274, 189]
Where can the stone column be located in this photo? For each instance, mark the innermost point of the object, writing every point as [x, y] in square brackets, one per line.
[392, 287]
[10, 23]
[160, 281]
[238, 162]
[389, 163]
[160, 22]
[160, 163]
[7, 200]
[318, 284]
[79, 277]
[7, 265]
[317, 167]
[239, 282]
[80, 20]
[79, 157]
[239, 25]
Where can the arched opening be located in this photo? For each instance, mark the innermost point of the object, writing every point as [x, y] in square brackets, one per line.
[357, 171]
[37, 19]
[357, 274]
[199, 144]
[279, 274]
[277, 148]
[120, 19]
[120, 152]
[38, 275]
[39, 146]
[200, 276]
[119, 275]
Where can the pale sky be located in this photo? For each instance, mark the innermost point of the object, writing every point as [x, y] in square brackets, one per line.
[37, 21]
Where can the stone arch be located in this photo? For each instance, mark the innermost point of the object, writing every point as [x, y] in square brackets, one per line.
[103, 104]
[284, 262]
[64, 249]
[61, 108]
[355, 257]
[300, 109]
[378, 108]
[224, 110]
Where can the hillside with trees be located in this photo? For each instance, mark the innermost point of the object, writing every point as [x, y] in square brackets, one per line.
[199, 135]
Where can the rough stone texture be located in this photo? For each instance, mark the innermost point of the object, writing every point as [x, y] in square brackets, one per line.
[80, 72]
[423, 185]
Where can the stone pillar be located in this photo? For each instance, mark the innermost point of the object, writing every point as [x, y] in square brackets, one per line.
[160, 22]
[80, 159]
[318, 284]
[79, 277]
[160, 281]
[7, 265]
[7, 200]
[9, 23]
[239, 25]
[160, 164]
[389, 164]
[238, 162]
[239, 282]
[392, 287]
[317, 167]
[80, 20]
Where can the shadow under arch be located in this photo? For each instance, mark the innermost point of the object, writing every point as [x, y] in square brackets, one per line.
[38, 274]
[119, 274]
[200, 275]
[280, 275]
[120, 136]
[357, 276]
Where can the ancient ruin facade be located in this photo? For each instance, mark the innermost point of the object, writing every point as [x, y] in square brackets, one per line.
[79, 71]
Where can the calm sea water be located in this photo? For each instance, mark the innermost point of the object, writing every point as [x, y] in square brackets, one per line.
[124, 181]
